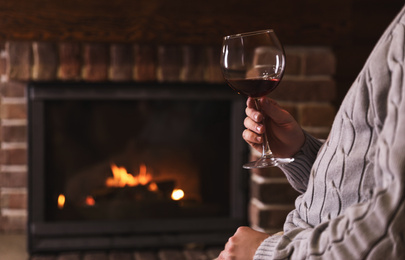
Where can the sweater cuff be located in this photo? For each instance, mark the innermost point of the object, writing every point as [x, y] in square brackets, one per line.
[298, 171]
[266, 249]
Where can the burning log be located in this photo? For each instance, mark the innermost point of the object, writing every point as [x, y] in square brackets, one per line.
[137, 193]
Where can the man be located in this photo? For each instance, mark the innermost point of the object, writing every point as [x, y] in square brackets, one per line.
[353, 185]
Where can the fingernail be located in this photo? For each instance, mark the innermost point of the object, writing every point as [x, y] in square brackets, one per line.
[259, 128]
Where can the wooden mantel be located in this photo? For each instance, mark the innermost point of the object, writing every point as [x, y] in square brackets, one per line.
[174, 21]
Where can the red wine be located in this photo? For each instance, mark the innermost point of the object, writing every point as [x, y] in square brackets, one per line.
[253, 87]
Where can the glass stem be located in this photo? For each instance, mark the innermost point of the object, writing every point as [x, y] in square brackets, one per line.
[266, 152]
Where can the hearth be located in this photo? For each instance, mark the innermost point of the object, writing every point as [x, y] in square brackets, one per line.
[134, 165]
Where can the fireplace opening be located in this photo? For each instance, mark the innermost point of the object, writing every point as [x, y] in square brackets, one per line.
[116, 165]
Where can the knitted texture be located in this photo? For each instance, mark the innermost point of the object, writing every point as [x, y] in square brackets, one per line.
[353, 205]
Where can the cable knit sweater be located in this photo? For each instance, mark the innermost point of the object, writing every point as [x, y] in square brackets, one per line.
[353, 204]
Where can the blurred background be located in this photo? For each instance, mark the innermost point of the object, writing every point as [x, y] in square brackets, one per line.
[350, 27]
[327, 43]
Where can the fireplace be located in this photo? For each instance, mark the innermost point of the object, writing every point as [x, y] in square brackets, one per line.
[134, 165]
[92, 66]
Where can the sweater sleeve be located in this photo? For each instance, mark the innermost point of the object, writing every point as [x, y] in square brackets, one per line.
[297, 174]
[298, 171]
[374, 228]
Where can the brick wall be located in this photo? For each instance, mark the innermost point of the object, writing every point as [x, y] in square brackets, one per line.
[307, 91]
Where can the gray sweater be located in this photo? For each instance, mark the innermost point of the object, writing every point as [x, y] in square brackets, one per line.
[353, 201]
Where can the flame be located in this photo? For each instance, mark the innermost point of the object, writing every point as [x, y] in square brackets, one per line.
[143, 176]
[90, 201]
[153, 187]
[122, 178]
[177, 194]
[61, 201]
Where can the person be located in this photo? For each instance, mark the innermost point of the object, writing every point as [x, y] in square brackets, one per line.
[352, 204]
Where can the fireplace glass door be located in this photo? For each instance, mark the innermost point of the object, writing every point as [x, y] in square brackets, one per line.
[160, 158]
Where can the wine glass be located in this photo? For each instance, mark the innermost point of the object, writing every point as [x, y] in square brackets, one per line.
[253, 64]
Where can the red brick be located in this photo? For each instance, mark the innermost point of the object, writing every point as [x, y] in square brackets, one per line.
[293, 63]
[13, 224]
[169, 63]
[43, 257]
[14, 134]
[277, 193]
[120, 256]
[171, 255]
[95, 256]
[320, 61]
[3, 60]
[193, 64]
[69, 256]
[268, 219]
[317, 115]
[299, 90]
[19, 60]
[13, 179]
[213, 72]
[145, 256]
[15, 156]
[13, 89]
[45, 61]
[13, 111]
[121, 63]
[213, 253]
[195, 255]
[14, 201]
[95, 62]
[145, 67]
[69, 61]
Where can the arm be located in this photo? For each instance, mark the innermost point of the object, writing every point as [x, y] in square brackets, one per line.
[374, 228]
[287, 139]
[298, 171]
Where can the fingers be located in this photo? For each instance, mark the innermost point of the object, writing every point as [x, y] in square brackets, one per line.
[252, 137]
[253, 132]
[254, 129]
[253, 125]
[250, 103]
[254, 114]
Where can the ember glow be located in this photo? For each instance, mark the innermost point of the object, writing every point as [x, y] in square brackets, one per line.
[152, 187]
[90, 201]
[61, 201]
[177, 194]
[122, 178]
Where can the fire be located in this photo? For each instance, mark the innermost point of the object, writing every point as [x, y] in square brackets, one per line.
[90, 201]
[177, 194]
[153, 187]
[61, 201]
[122, 178]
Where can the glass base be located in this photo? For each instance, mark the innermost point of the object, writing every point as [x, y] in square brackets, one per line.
[266, 162]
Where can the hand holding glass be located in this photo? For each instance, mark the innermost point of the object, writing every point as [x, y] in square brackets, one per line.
[253, 64]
